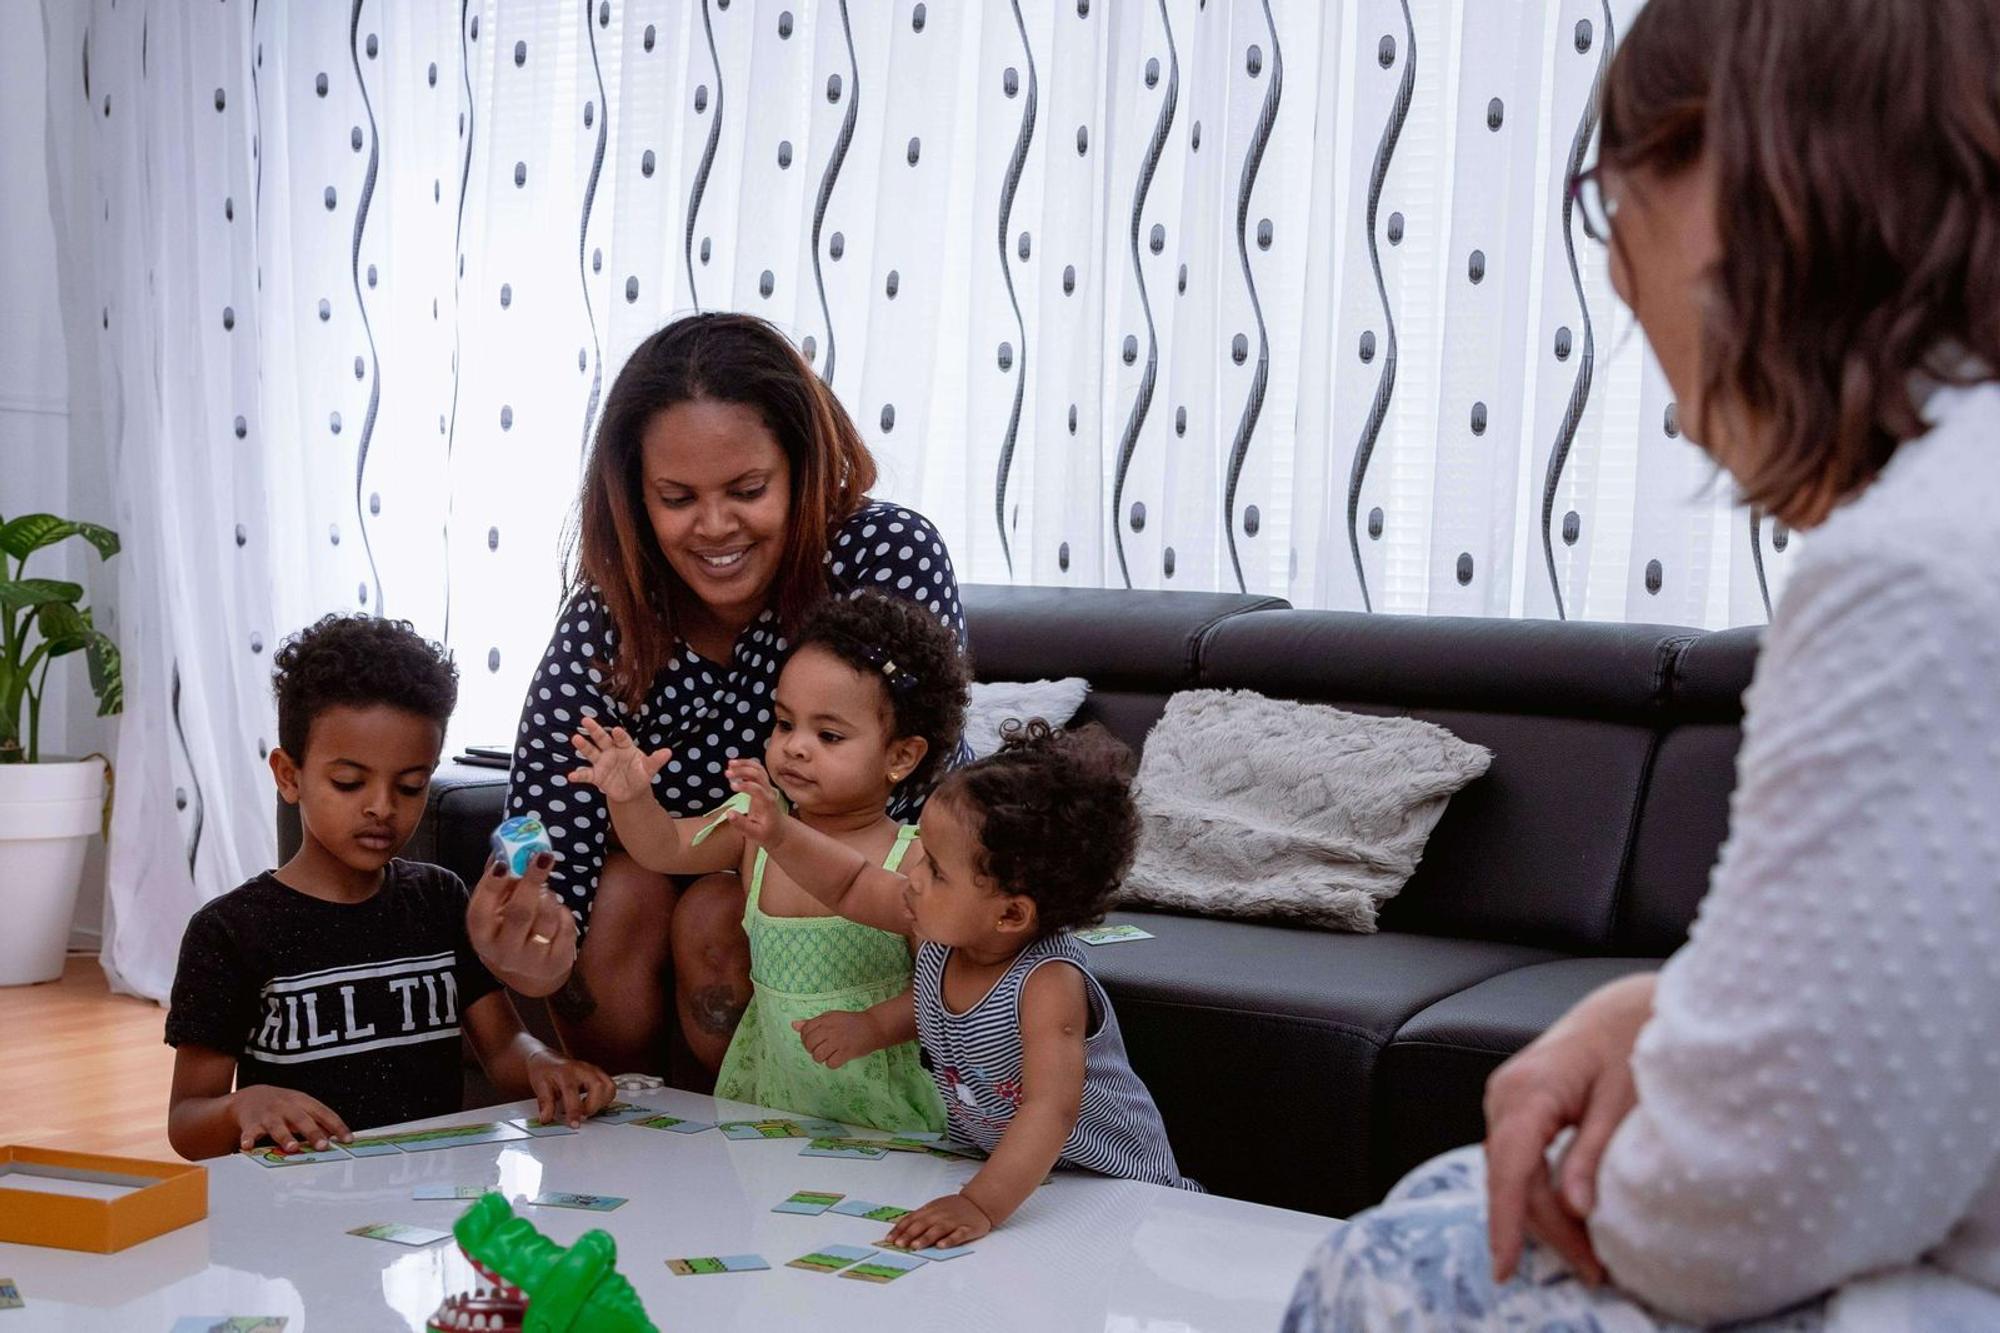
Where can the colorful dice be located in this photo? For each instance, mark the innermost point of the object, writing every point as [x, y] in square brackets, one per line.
[516, 842]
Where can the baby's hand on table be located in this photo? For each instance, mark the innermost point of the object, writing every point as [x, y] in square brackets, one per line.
[952, 1220]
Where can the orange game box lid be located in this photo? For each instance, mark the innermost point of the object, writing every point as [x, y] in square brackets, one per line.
[157, 1197]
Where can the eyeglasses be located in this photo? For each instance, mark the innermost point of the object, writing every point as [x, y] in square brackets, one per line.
[1597, 209]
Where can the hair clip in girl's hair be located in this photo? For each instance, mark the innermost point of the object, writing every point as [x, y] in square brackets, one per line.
[898, 680]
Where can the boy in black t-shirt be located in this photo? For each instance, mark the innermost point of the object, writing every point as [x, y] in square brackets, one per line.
[332, 991]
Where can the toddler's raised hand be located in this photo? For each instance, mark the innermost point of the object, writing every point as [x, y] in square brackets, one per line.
[765, 822]
[615, 765]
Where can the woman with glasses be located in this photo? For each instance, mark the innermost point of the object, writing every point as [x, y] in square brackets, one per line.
[1796, 1121]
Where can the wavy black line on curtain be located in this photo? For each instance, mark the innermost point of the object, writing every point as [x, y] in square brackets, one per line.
[826, 182]
[1128, 441]
[1579, 394]
[707, 162]
[457, 286]
[256, 126]
[583, 239]
[1757, 558]
[368, 331]
[1385, 387]
[1016, 164]
[194, 778]
[1260, 379]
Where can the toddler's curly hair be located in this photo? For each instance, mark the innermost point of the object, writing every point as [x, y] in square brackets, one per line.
[924, 676]
[359, 660]
[1054, 816]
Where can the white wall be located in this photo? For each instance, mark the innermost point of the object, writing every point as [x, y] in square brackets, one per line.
[44, 465]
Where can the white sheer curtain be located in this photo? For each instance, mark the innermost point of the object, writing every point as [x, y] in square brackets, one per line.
[1204, 294]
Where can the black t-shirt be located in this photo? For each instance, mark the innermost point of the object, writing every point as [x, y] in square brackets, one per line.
[355, 1004]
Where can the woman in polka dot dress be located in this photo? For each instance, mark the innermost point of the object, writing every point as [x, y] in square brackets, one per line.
[725, 496]
[1795, 1122]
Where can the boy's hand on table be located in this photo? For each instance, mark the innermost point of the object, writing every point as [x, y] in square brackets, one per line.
[952, 1220]
[287, 1117]
[566, 1090]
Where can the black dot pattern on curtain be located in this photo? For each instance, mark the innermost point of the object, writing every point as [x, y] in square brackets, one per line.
[1463, 569]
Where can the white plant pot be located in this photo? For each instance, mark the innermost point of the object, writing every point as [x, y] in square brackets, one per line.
[47, 813]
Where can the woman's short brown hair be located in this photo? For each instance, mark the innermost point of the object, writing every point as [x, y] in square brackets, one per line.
[1856, 150]
[723, 358]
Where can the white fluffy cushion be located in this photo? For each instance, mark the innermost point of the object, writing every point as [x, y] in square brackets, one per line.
[1256, 807]
[995, 703]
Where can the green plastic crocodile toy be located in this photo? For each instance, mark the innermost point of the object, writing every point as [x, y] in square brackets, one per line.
[530, 1284]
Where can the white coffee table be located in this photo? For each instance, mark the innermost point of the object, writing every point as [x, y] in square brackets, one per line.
[1083, 1253]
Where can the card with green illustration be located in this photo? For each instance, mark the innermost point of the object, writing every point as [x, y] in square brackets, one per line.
[808, 1203]
[373, 1145]
[539, 1128]
[399, 1232]
[10, 1295]
[450, 1191]
[624, 1113]
[456, 1136]
[673, 1124]
[272, 1156]
[218, 1323]
[830, 1258]
[728, 1263]
[868, 1208]
[851, 1149]
[762, 1129]
[884, 1268]
[596, 1203]
[1111, 934]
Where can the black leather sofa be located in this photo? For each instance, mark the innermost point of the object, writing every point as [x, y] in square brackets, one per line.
[1311, 1069]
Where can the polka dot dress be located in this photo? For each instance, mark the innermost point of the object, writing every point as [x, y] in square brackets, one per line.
[707, 713]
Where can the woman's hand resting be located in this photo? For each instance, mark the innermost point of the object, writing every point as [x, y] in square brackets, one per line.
[1577, 1074]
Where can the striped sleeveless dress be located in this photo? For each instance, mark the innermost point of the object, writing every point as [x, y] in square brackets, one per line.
[976, 1058]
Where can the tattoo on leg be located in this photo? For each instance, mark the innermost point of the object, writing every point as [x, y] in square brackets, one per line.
[717, 1010]
[574, 1002]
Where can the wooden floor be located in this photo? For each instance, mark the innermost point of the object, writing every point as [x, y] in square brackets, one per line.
[84, 1069]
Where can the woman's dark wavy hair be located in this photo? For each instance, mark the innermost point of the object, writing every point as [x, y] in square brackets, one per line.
[722, 358]
[929, 687]
[1856, 147]
[1054, 817]
[358, 661]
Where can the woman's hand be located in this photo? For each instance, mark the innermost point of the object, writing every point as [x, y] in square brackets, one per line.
[521, 930]
[1578, 1073]
[614, 765]
[839, 1035]
[567, 1090]
[289, 1119]
[765, 822]
[952, 1220]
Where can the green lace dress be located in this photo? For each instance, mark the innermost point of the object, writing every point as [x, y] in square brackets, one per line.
[801, 967]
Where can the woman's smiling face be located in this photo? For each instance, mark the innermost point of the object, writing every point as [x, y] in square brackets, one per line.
[718, 491]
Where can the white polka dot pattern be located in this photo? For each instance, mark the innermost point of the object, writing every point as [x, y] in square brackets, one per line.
[1820, 1084]
[705, 712]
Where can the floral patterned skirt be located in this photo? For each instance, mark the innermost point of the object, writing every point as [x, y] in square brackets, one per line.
[1420, 1261]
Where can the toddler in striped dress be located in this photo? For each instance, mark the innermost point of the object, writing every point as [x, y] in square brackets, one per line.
[1017, 850]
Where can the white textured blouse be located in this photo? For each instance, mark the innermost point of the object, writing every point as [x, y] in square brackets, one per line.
[1819, 1087]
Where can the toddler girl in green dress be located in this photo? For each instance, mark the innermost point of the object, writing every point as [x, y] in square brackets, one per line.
[870, 703]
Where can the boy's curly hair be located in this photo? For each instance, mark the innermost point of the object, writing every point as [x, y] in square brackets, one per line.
[1054, 816]
[925, 677]
[358, 660]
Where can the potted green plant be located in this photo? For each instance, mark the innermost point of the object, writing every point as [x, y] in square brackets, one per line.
[49, 807]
